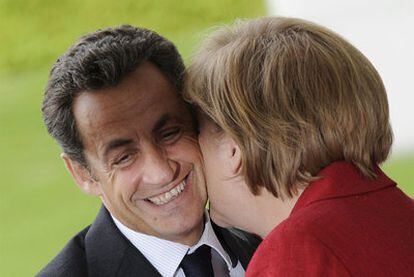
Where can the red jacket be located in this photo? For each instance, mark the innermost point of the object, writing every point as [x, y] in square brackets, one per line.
[342, 225]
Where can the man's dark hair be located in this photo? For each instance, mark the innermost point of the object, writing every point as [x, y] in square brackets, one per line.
[99, 60]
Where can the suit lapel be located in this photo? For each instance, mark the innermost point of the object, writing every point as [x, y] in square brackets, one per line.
[238, 244]
[135, 264]
[110, 254]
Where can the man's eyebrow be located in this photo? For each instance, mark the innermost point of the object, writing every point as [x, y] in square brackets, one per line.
[114, 144]
[162, 122]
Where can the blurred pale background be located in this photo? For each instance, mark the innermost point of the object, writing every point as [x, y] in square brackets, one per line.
[383, 31]
[40, 207]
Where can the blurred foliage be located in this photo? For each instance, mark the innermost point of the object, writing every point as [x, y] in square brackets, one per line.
[400, 168]
[33, 33]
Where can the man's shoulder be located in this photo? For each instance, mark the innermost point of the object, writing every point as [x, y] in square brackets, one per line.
[71, 260]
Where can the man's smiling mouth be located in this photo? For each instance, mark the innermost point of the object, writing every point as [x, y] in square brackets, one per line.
[166, 197]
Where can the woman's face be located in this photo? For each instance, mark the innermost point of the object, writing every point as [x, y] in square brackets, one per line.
[226, 189]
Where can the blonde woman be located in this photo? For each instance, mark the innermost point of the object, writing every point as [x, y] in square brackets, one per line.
[294, 123]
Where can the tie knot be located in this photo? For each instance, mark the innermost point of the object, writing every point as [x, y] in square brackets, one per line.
[198, 264]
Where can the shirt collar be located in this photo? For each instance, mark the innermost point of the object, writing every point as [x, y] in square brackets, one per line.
[209, 238]
[166, 255]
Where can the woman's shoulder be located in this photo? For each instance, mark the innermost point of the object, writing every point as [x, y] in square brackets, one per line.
[291, 251]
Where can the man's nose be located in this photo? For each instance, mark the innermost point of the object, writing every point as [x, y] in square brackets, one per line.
[158, 168]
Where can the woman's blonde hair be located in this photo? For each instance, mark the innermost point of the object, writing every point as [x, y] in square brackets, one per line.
[295, 97]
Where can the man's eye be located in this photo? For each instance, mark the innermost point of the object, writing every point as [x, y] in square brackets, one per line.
[123, 159]
[171, 134]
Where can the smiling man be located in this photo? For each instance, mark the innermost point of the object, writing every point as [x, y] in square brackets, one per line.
[113, 104]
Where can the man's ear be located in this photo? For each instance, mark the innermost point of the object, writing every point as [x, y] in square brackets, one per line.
[82, 176]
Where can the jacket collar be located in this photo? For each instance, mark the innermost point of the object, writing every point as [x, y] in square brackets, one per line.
[341, 179]
[108, 253]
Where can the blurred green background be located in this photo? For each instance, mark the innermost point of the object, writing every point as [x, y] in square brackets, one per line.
[40, 207]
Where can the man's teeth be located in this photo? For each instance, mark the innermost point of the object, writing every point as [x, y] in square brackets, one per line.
[167, 196]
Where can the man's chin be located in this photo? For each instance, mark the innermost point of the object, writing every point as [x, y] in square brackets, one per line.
[187, 234]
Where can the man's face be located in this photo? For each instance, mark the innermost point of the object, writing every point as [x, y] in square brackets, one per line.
[143, 154]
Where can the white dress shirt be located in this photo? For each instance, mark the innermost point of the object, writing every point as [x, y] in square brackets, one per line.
[166, 255]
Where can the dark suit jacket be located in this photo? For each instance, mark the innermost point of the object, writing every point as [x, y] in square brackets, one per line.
[101, 250]
[342, 225]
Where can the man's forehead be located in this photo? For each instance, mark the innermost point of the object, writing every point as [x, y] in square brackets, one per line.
[145, 86]
[145, 110]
